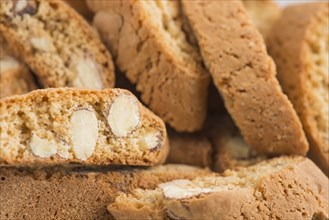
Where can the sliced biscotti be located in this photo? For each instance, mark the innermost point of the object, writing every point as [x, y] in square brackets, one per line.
[281, 188]
[263, 13]
[299, 45]
[192, 149]
[229, 148]
[91, 127]
[243, 72]
[15, 77]
[71, 194]
[56, 43]
[149, 45]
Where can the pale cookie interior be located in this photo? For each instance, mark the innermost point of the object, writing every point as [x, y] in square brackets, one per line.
[68, 54]
[108, 129]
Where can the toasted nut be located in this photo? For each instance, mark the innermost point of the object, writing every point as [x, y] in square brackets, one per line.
[25, 7]
[88, 75]
[150, 140]
[63, 150]
[179, 189]
[124, 115]
[237, 148]
[42, 43]
[42, 147]
[8, 63]
[84, 133]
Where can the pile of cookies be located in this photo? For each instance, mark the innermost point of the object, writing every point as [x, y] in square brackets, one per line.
[158, 109]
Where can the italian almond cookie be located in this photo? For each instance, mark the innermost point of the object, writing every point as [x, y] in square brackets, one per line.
[88, 127]
[299, 46]
[192, 149]
[230, 151]
[56, 43]
[15, 77]
[150, 46]
[235, 55]
[281, 188]
[71, 194]
[264, 13]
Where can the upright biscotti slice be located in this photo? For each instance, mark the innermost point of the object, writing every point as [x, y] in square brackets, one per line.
[264, 13]
[70, 194]
[15, 77]
[56, 43]
[149, 45]
[281, 188]
[243, 72]
[299, 46]
[90, 127]
[229, 148]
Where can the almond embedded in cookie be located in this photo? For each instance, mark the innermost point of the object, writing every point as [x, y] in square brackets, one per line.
[151, 48]
[285, 188]
[56, 43]
[91, 127]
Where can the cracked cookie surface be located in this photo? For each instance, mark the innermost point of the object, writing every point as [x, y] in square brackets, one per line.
[147, 41]
[235, 55]
[90, 127]
[56, 43]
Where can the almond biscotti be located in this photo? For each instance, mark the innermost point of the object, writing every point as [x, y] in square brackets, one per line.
[89, 127]
[72, 194]
[299, 45]
[56, 43]
[263, 13]
[149, 45]
[243, 72]
[281, 188]
[15, 77]
[230, 151]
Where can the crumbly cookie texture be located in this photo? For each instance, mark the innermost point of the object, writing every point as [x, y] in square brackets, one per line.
[56, 43]
[191, 149]
[81, 7]
[15, 78]
[243, 72]
[229, 148]
[299, 44]
[149, 45]
[263, 13]
[91, 127]
[74, 194]
[281, 188]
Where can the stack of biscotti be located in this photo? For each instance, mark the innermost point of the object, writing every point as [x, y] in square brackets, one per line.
[77, 194]
[94, 153]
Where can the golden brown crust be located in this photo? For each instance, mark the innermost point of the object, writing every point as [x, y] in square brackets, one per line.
[299, 46]
[47, 114]
[245, 75]
[289, 188]
[73, 194]
[166, 68]
[57, 44]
